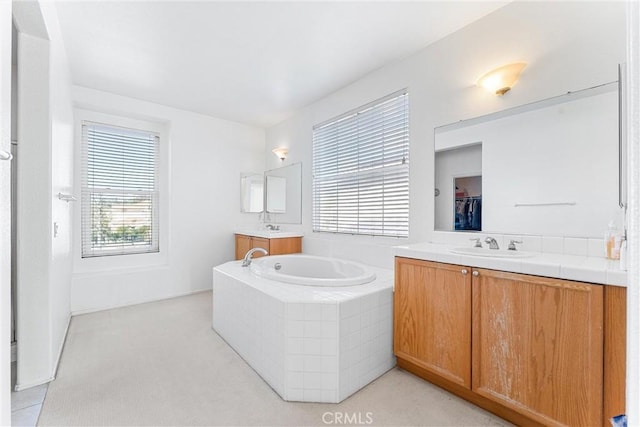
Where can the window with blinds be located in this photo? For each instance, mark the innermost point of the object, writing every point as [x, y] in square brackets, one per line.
[361, 170]
[119, 190]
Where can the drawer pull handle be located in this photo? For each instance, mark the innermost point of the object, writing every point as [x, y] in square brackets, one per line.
[475, 274]
[464, 271]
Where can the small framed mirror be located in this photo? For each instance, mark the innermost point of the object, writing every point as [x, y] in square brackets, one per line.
[276, 194]
[252, 193]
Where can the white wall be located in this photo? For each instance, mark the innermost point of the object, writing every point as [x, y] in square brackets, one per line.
[45, 147]
[569, 46]
[206, 157]
[62, 172]
[632, 128]
[5, 214]
[33, 213]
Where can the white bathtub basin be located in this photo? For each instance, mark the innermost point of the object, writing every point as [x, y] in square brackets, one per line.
[311, 270]
[492, 253]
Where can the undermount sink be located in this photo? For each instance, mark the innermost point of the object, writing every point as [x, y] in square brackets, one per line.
[492, 253]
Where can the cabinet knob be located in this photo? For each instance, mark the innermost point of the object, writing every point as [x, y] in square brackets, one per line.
[464, 271]
[475, 274]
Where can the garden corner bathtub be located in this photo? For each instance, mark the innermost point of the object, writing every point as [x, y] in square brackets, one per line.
[311, 270]
[316, 343]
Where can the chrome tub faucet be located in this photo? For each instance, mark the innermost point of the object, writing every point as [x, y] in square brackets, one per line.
[246, 261]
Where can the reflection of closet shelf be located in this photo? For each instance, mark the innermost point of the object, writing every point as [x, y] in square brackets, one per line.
[519, 205]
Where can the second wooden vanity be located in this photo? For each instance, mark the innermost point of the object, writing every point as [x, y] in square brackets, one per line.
[274, 245]
[533, 350]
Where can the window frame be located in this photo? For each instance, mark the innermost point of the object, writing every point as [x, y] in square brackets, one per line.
[87, 249]
[387, 170]
[131, 261]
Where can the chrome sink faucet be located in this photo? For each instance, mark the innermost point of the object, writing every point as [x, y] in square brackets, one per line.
[493, 244]
[478, 243]
[246, 261]
[512, 245]
[273, 227]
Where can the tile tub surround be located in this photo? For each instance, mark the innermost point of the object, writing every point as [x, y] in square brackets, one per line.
[310, 344]
[593, 269]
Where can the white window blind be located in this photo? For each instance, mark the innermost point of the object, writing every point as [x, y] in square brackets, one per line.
[119, 190]
[361, 170]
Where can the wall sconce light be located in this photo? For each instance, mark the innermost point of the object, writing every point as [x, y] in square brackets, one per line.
[281, 152]
[501, 80]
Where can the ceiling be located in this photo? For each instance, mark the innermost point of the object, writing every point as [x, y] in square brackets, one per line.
[250, 62]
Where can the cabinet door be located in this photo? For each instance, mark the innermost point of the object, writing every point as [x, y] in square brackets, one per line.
[287, 245]
[538, 346]
[432, 318]
[259, 242]
[243, 244]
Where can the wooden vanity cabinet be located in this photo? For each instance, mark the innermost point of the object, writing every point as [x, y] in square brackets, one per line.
[426, 331]
[275, 246]
[537, 351]
[538, 346]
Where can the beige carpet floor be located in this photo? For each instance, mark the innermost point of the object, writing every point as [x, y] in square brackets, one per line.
[162, 364]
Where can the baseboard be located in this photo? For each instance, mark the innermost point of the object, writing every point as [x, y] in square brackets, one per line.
[14, 352]
[138, 302]
[60, 350]
[20, 387]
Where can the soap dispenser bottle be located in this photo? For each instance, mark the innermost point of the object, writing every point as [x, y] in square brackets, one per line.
[610, 240]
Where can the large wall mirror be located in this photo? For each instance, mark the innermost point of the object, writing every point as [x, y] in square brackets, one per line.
[550, 168]
[277, 192]
[284, 194]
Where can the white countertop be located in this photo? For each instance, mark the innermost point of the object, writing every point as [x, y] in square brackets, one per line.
[562, 266]
[269, 234]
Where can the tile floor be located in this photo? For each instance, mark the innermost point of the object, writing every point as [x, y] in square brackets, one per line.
[26, 404]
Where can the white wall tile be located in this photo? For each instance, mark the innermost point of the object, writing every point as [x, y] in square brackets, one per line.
[316, 246]
[295, 328]
[312, 380]
[575, 246]
[531, 243]
[313, 329]
[295, 311]
[295, 362]
[313, 312]
[312, 363]
[312, 395]
[596, 248]
[330, 312]
[329, 330]
[349, 308]
[295, 394]
[329, 347]
[300, 357]
[552, 245]
[295, 380]
[329, 381]
[312, 346]
[295, 346]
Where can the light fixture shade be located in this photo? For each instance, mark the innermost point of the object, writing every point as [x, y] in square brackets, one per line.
[281, 152]
[501, 80]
